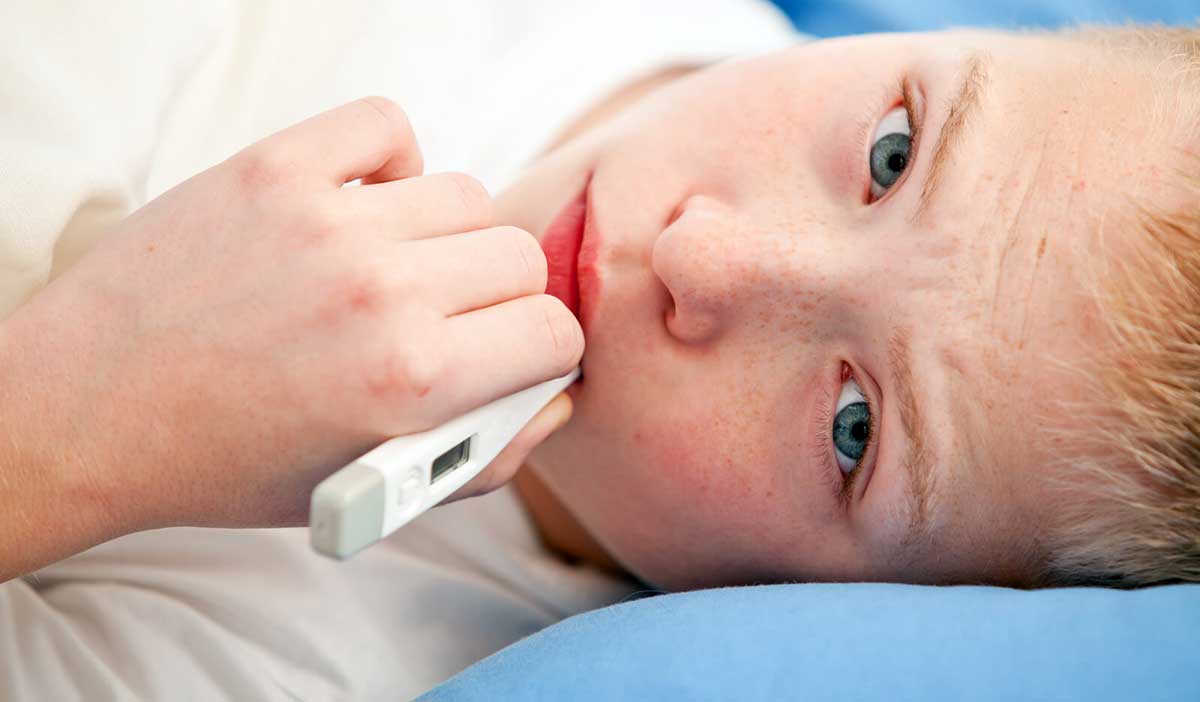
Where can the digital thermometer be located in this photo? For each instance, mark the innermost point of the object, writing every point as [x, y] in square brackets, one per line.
[390, 485]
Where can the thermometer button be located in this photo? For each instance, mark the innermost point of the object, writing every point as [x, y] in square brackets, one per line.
[410, 489]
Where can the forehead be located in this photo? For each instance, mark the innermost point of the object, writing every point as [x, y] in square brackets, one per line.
[1048, 153]
[1060, 141]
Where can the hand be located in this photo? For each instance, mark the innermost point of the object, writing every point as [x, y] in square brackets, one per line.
[259, 326]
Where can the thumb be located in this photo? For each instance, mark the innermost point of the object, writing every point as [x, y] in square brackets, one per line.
[505, 465]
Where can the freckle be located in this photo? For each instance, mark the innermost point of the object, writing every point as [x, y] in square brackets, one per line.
[1041, 247]
[150, 248]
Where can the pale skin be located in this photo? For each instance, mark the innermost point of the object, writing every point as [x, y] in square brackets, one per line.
[744, 280]
[741, 266]
[209, 365]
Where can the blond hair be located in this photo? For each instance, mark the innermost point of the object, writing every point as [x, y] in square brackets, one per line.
[1133, 514]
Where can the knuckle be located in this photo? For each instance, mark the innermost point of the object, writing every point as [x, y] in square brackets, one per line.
[471, 195]
[387, 109]
[259, 167]
[359, 292]
[395, 121]
[561, 330]
[319, 225]
[407, 372]
[529, 252]
[312, 228]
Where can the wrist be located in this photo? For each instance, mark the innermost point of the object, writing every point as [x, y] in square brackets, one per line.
[58, 499]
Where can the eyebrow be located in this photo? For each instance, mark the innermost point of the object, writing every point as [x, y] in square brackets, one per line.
[962, 107]
[918, 460]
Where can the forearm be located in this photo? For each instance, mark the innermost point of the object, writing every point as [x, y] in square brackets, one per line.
[52, 502]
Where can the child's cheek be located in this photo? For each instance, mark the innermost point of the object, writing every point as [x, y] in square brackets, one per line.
[704, 458]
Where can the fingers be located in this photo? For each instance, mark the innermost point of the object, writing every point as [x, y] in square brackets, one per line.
[417, 208]
[448, 260]
[370, 138]
[450, 271]
[471, 359]
[523, 341]
[464, 272]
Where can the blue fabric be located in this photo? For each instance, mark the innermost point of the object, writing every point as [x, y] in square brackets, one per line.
[824, 18]
[858, 642]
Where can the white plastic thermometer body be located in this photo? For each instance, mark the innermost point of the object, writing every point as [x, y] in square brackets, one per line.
[390, 485]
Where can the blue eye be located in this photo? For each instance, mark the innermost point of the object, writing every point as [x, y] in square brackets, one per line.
[851, 427]
[890, 151]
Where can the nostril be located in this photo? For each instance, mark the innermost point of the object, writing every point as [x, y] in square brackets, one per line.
[677, 212]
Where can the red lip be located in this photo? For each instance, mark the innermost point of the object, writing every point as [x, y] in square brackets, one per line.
[570, 257]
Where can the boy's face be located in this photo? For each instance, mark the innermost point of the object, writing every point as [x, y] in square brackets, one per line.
[799, 367]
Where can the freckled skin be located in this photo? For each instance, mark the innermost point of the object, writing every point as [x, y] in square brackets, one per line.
[740, 267]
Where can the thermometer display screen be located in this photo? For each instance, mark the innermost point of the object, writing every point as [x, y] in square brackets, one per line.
[450, 460]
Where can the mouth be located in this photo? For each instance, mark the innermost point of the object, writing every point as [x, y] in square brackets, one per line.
[561, 244]
[570, 246]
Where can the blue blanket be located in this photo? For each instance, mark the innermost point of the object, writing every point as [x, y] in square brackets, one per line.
[859, 16]
[858, 642]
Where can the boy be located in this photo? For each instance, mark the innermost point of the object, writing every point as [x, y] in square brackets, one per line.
[840, 325]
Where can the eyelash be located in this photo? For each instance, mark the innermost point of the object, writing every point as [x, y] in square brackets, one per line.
[842, 484]
[866, 129]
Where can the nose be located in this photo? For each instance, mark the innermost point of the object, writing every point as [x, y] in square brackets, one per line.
[713, 263]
